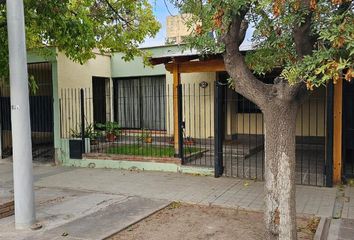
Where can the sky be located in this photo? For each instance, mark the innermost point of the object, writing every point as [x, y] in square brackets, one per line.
[161, 12]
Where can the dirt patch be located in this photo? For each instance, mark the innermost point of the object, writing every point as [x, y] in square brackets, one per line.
[194, 222]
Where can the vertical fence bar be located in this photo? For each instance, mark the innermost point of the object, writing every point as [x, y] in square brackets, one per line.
[82, 119]
[180, 123]
[218, 156]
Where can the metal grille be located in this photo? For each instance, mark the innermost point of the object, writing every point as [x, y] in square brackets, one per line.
[242, 133]
[143, 118]
[41, 114]
[209, 113]
[348, 129]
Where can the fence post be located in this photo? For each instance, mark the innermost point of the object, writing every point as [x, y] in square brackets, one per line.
[176, 82]
[82, 119]
[329, 135]
[218, 128]
[180, 123]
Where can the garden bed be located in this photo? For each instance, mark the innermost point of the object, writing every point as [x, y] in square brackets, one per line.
[147, 150]
[142, 153]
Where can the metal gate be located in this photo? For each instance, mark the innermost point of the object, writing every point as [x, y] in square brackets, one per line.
[41, 114]
[348, 129]
[228, 127]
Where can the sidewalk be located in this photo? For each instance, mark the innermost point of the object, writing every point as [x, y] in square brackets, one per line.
[112, 186]
[226, 192]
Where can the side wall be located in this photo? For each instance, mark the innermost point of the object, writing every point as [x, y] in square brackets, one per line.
[72, 77]
[75, 75]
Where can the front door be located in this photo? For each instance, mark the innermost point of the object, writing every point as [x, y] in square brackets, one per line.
[99, 99]
[348, 128]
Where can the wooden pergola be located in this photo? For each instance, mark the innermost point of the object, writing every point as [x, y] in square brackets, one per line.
[195, 63]
[192, 63]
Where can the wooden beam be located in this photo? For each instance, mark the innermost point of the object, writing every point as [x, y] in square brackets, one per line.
[176, 82]
[214, 65]
[337, 133]
[175, 59]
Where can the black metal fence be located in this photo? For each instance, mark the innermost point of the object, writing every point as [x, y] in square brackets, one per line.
[348, 129]
[216, 123]
[41, 114]
[141, 123]
[239, 128]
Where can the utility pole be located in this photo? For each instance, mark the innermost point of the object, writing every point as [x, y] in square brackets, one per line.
[20, 117]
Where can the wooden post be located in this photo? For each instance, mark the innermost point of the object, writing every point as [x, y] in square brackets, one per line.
[176, 82]
[337, 133]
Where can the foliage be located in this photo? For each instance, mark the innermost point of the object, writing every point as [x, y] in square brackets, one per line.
[273, 22]
[110, 128]
[77, 27]
[89, 132]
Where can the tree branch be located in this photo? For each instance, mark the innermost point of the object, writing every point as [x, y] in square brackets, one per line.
[125, 21]
[304, 42]
[244, 81]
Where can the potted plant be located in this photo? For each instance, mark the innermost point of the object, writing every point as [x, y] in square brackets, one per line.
[111, 129]
[89, 132]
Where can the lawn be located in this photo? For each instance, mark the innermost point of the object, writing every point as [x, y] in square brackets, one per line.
[148, 150]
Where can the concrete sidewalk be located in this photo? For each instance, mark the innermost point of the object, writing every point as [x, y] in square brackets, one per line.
[101, 188]
[226, 192]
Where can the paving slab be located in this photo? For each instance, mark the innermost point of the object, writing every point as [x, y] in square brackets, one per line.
[348, 208]
[55, 207]
[341, 229]
[107, 221]
[207, 190]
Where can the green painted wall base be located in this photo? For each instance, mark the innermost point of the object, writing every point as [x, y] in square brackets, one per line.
[124, 165]
[202, 171]
[129, 165]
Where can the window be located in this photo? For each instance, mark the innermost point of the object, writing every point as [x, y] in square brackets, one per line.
[139, 103]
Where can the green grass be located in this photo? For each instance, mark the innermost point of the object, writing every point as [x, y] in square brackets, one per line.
[148, 150]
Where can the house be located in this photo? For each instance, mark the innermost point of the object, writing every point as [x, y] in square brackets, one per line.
[185, 109]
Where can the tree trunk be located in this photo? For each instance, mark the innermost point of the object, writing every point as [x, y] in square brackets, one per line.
[280, 130]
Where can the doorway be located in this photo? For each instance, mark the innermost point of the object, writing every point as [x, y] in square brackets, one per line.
[100, 93]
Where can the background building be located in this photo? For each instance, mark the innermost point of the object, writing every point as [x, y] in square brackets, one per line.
[177, 28]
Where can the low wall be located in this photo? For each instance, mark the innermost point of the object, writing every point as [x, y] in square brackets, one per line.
[125, 162]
